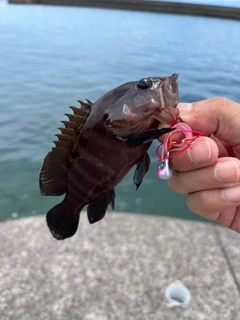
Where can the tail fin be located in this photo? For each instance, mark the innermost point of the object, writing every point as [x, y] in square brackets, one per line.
[62, 220]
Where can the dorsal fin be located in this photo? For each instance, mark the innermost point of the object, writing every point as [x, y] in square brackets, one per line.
[78, 111]
[53, 175]
[73, 127]
[89, 102]
[74, 117]
[68, 131]
[85, 105]
[70, 124]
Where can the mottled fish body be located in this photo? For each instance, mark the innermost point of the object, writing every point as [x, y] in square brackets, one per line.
[99, 145]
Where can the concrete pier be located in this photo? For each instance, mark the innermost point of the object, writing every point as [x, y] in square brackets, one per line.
[118, 269]
[142, 5]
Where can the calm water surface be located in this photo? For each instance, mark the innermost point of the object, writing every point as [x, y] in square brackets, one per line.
[51, 56]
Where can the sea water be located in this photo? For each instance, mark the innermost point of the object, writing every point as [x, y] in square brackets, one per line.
[51, 56]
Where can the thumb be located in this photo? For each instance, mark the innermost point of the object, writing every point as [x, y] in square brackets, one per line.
[217, 116]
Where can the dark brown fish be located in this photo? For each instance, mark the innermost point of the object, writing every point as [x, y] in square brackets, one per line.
[98, 146]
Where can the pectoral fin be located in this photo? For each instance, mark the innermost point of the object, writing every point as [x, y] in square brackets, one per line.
[97, 208]
[140, 138]
[141, 170]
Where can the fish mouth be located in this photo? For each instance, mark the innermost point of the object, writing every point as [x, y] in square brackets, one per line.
[168, 92]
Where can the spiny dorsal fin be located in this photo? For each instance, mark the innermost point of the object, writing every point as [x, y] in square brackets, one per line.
[74, 117]
[61, 144]
[78, 111]
[85, 105]
[89, 102]
[70, 124]
[68, 131]
[53, 175]
[64, 137]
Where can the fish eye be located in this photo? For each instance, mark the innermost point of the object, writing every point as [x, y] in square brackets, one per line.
[144, 83]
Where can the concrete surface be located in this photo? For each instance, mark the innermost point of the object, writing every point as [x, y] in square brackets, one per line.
[118, 268]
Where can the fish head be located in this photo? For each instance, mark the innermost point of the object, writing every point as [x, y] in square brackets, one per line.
[142, 105]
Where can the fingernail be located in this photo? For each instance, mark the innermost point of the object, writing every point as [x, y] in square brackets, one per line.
[231, 194]
[200, 152]
[227, 171]
[184, 108]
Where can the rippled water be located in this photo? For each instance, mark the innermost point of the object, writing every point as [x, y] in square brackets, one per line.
[51, 56]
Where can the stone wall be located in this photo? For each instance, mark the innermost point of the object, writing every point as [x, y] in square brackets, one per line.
[151, 6]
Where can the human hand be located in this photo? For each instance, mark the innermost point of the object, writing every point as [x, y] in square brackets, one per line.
[209, 171]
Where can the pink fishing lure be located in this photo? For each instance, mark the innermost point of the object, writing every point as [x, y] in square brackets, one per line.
[174, 145]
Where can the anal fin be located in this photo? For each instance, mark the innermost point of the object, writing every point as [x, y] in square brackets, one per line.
[97, 208]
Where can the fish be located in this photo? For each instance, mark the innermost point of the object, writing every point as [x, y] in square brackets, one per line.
[99, 144]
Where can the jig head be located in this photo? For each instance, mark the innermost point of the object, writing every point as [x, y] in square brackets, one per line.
[175, 146]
